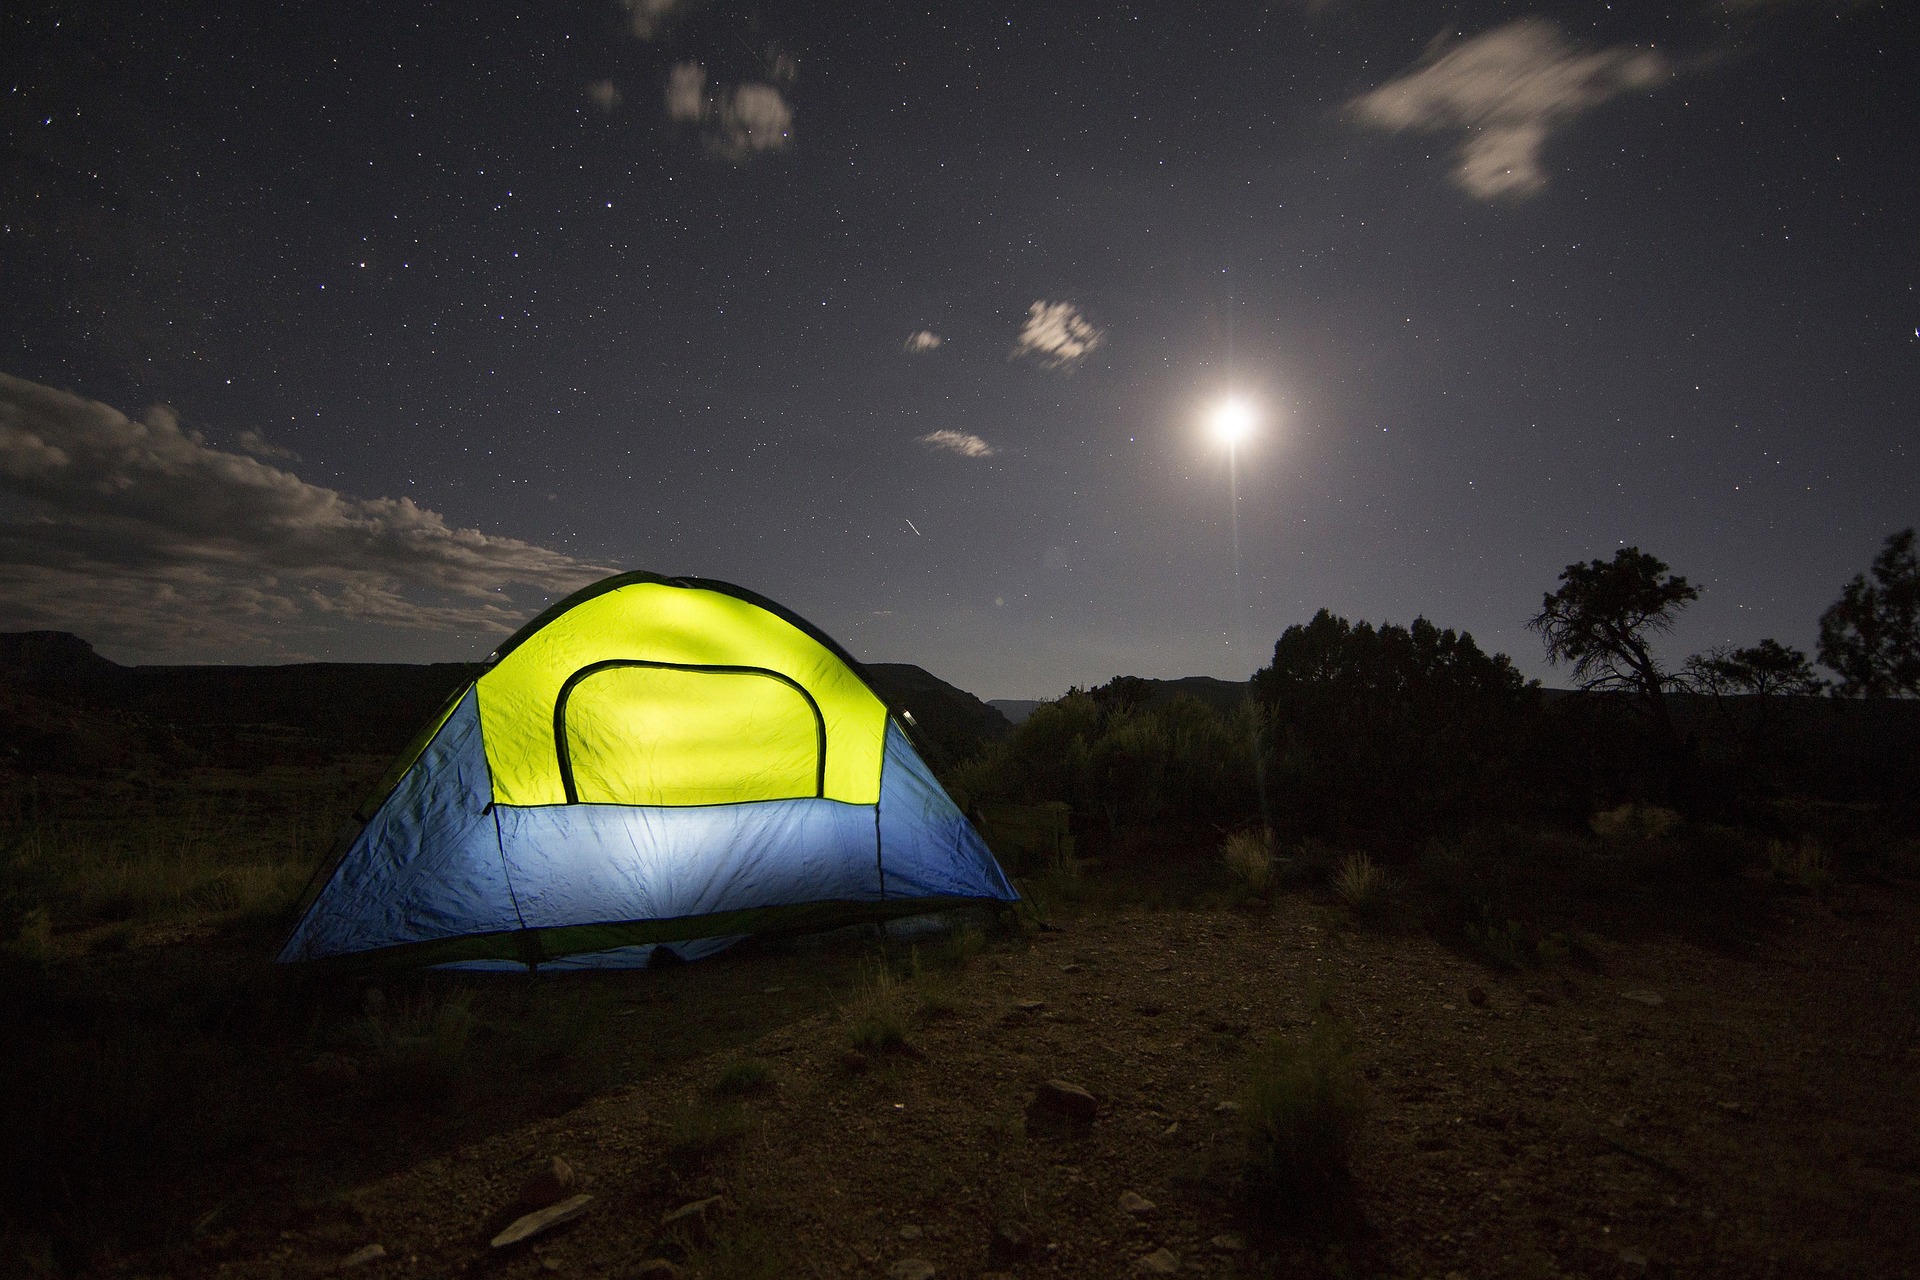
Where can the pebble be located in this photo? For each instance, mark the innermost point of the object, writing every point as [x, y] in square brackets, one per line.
[911, 1232]
[370, 1253]
[1477, 997]
[1008, 1246]
[911, 1269]
[697, 1218]
[1138, 1205]
[1161, 1262]
[544, 1220]
[1063, 1097]
[549, 1186]
[1229, 1242]
[657, 1269]
[1649, 998]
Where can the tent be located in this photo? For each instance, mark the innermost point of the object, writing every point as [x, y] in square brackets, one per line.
[652, 760]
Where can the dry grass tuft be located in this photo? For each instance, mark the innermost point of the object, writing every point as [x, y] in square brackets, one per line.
[1248, 858]
[1360, 884]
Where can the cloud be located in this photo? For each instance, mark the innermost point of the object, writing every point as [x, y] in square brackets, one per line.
[142, 536]
[753, 117]
[741, 120]
[1507, 89]
[604, 94]
[645, 18]
[964, 443]
[260, 447]
[1057, 335]
[687, 93]
[923, 340]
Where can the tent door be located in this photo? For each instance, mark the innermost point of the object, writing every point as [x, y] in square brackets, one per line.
[634, 732]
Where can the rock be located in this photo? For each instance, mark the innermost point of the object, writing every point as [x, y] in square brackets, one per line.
[695, 1221]
[1229, 1242]
[1633, 1258]
[1029, 1006]
[1170, 1130]
[334, 1068]
[533, 1224]
[1137, 1205]
[1008, 1246]
[1650, 998]
[1066, 1099]
[1226, 1108]
[657, 1269]
[854, 1060]
[1071, 968]
[1477, 997]
[911, 1232]
[1161, 1262]
[911, 1269]
[549, 1186]
[371, 1253]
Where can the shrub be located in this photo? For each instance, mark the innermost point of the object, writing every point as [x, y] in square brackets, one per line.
[699, 1130]
[743, 1078]
[876, 1016]
[1505, 945]
[1803, 862]
[1360, 884]
[416, 1048]
[1248, 857]
[1302, 1104]
[1634, 824]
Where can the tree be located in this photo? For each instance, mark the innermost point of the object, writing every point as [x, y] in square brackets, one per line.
[1870, 636]
[1766, 669]
[1401, 726]
[1602, 619]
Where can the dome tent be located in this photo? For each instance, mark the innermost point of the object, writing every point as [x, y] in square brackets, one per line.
[651, 760]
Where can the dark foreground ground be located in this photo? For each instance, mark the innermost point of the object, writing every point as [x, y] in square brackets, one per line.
[1745, 1107]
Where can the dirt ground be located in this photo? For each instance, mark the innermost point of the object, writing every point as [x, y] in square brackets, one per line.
[1746, 1108]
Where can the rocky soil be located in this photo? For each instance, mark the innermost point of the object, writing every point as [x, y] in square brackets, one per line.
[1746, 1109]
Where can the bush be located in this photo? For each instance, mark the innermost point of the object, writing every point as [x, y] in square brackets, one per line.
[1360, 884]
[1302, 1106]
[1634, 824]
[1804, 863]
[698, 1131]
[1132, 766]
[743, 1078]
[1248, 857]
[876, 1017]
[1400, 728]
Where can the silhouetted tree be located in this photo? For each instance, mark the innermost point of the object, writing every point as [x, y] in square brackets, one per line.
[1395, 727]
[1601, 620]
[1870, 636]
[1765, 669]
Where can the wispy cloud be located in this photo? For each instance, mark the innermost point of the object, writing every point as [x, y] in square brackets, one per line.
[740, 120]
[645, 18]
[687, 93]
[141, 535]
[260, 447]
[1507, 89]
[964, 443]
[1057, 335]
[604, 94]
[923, 340]
[753, 117]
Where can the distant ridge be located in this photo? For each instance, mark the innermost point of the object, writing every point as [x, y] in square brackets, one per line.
[1225, 694]
[377, 707]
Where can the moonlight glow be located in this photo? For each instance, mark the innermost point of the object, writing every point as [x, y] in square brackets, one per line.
[1232, 422]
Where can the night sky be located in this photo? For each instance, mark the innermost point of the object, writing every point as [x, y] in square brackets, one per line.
[358, 331]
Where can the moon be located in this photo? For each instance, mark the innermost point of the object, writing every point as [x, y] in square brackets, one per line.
[1232, 421]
